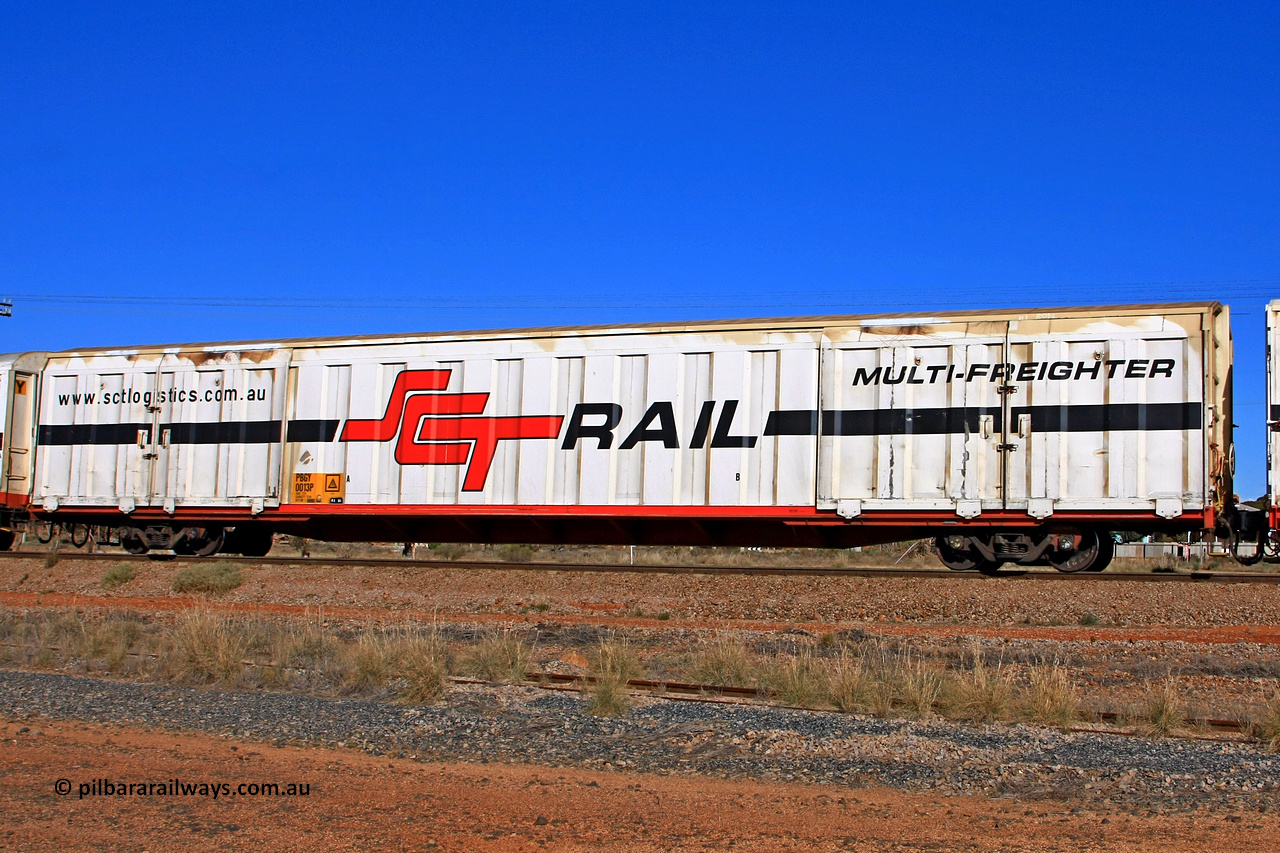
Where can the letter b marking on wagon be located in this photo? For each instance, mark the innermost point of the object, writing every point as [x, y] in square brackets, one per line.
[446, 429]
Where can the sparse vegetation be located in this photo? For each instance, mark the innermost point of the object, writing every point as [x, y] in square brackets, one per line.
[1163, 709]
[209, 578]
[411, 665]
[515, 553]
[919, 687]
[1267, 728]
[1051, 698]
[424, 668]
[118, 576]
[725, 662]
[980, 693]
[800, 680]
[502, 657]
[448, 550]
[205, 648]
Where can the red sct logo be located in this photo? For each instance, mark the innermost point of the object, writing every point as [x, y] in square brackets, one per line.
[446, 429]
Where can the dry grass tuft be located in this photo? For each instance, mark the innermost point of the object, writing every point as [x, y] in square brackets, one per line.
[1164, 709]
[118, 576]
[1051, 697]
[1267, 728]
[850, 685]
[725, 662]
[616, 659]
[607, 696]
[515, 553]
[500, 657]
[423, 668]
[612, 665]
[110, 641]
[204, 648]
[800, 680]
[980, 694]
[919, 687]
[370, 662]
[209, 578]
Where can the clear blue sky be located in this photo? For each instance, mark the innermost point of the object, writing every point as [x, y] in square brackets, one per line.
[309, 168]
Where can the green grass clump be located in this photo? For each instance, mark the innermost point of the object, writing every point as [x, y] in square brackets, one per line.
[118, 576]
[209, 578]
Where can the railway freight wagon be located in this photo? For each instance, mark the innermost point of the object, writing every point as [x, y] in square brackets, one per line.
[1272, 546]
[1011, 436]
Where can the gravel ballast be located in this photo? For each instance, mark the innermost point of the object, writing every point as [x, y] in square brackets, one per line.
[483, 723]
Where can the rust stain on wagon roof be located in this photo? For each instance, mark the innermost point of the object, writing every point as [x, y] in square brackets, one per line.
[697, 327]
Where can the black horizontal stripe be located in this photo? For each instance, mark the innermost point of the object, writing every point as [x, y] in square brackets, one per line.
[312, 430]
[958, 419]
[791, 422]
[68, 434]
[230, 432]
[1101, 418]
[904, 421]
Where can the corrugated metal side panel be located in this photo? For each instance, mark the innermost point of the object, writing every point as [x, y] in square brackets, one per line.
[927, 450]
[110, 394]
[1068, 413]
[158, 428]
[665, 420]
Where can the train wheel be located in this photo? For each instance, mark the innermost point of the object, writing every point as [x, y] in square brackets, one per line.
[6, 538]
[249, 541]
[132, 540]
[210, 543]
[1092, 555]
[960, 560]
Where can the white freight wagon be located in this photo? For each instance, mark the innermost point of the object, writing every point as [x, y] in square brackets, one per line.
[1020, 436]
[1273, 419]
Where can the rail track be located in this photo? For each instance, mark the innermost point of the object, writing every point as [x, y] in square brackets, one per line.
[888, 571]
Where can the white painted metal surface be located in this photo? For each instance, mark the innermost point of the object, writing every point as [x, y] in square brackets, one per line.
[1273, 401]
[1100, 410]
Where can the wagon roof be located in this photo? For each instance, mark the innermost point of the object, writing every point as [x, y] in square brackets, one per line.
[782, 324]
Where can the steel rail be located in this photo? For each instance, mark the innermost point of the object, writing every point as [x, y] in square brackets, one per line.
[807, 571]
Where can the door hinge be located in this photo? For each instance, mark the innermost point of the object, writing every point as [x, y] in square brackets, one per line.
[1007, 389]
[1005, 448]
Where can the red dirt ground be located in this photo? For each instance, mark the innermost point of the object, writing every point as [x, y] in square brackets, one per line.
[1260, 634]
[362, 802]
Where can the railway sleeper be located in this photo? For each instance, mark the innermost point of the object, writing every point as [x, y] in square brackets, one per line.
[1067, 550]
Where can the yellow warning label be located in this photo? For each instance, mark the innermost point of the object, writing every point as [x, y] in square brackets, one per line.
[319, 488]
[19, 386]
